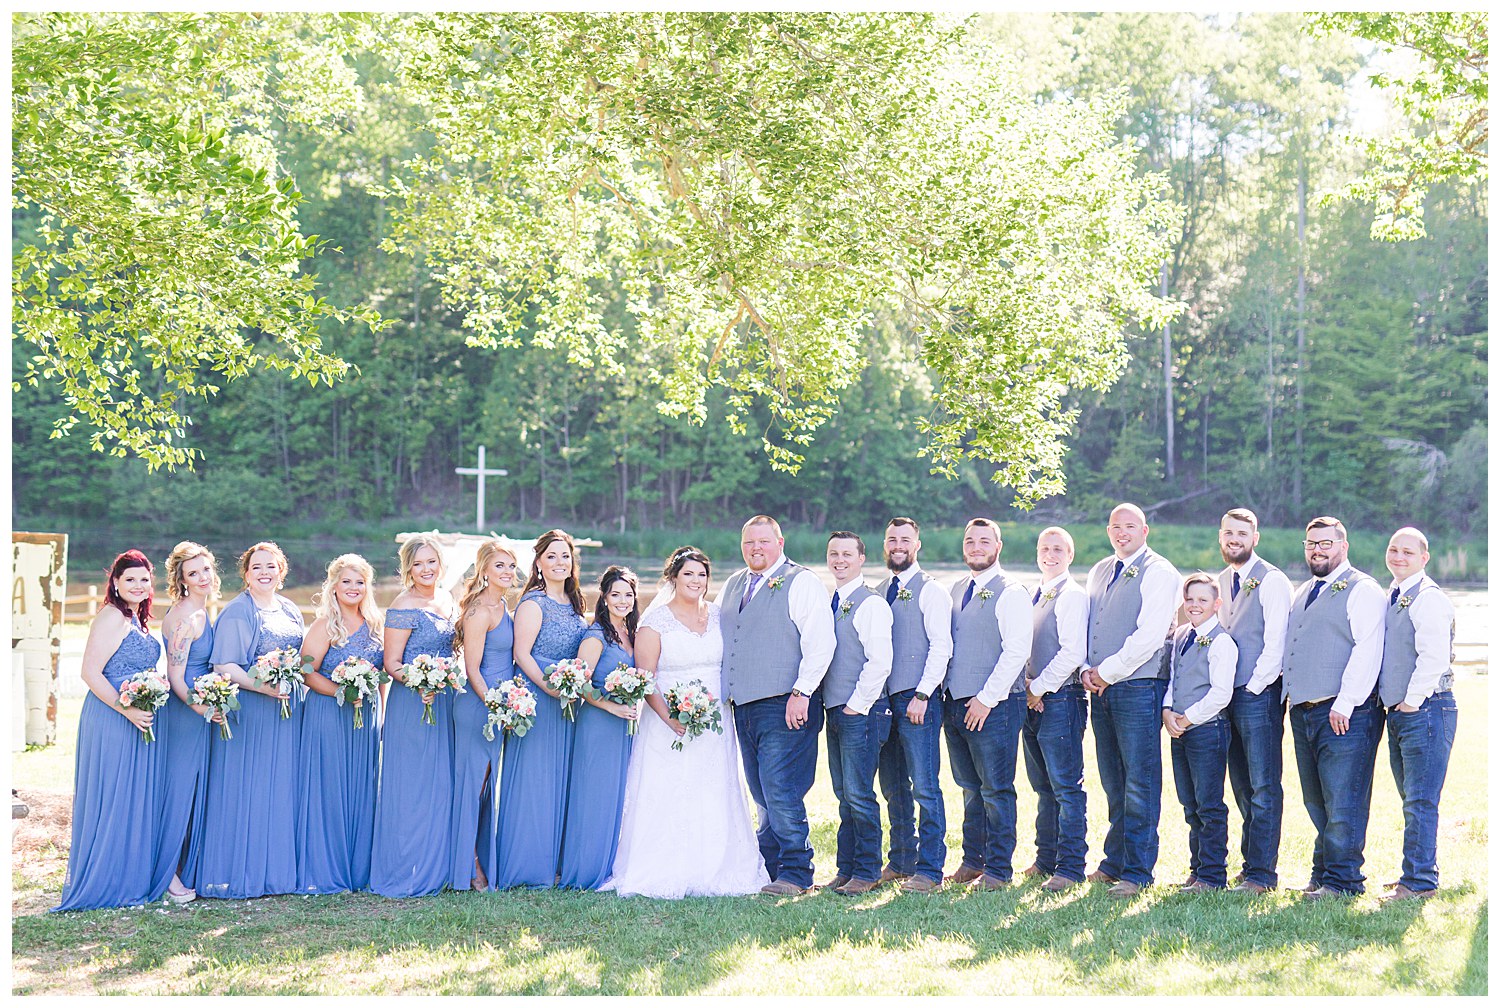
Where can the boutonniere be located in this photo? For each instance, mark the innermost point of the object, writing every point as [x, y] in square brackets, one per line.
[1403, 602]
[776, 582]
[903, 594]
[1339, 585]
[984, 595]
[1205, 641]
[1132, 571]
[1048, 596]
[1251, 584]
[846, 609]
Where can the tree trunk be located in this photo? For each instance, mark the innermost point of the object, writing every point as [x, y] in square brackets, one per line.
[1166, 374]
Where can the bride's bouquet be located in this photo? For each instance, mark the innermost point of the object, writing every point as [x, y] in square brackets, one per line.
[696, 709]
[219, 692]
[427, 674]
[281, 668]
[570, 677]
[627, 685]
[512, 708]
[146, 690]
[357, 679]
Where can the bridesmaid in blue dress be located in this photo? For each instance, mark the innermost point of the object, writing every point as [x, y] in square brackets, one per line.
[601, 746]
[534, 775]
[192, 581]
[486, 636]
[337, 763]
[413, 850]
[119, 852]
[250, 817]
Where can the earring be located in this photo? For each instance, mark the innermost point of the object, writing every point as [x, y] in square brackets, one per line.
[484, 580]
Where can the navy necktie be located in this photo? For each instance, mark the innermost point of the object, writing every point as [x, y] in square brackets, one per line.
[1037, 597]
[1187, 642]
[1119, 566]
[968, 594]
[1395, 594]
[833, 603]
[1234, 590]
[1313, 595]
[749, 590]
[890, 592]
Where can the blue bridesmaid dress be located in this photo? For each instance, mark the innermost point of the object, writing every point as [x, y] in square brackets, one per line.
[119, 855]
[336, 772]
[476, 762]
[250, 815]
[596, 782]
[534, 771]
[188, 741]
[413, 848]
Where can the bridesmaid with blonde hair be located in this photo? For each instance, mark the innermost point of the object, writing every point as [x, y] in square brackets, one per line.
[337, 762]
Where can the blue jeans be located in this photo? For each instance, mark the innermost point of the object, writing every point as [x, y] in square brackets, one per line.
[1052, 743]
[1255, 727]
[853, 752]
[780, 764]
[909, 762]
[984, 766]
[1337, 772]
[1420, 742]
[1127, 742]
[1199, 760]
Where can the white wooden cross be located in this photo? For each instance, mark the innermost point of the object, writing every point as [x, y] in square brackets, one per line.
[481, 472]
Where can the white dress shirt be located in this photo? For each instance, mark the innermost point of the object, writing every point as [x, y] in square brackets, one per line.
[1366, 609]
[872, 623]
[1072, 611]
[1432, 618]
[937, 620]
[1013, 616]
[808, 607]
[1160, 591]
[1223, 656]
[1275, 590]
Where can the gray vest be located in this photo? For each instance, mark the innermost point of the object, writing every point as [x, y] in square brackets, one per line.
[1399, 660]
[1190, 671]
[1319, 641]
[1114, 611]
[762, 646]
[976, 639]
[1245, 618]
[848, 652]
[1044, 640]
[908, 637]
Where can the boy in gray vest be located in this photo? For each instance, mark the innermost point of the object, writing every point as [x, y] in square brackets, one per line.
[857, 714]
[1332, 662]
[1202, 662]
[1416, 689]
[1256, 600]
[985, 702]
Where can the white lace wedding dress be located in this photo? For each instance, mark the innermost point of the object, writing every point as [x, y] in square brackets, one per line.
[685, 829]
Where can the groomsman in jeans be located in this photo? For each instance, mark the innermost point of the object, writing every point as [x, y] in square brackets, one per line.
[1052, 738]
[1416, 689]
[858, 716]
[985, 702]
[1334, 639]
[921, 643]
[1133, 598]
[1257, 598]
[778, 641]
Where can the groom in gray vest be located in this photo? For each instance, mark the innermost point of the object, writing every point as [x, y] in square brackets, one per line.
[778, 642]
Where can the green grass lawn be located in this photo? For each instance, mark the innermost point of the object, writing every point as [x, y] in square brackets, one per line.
[1017, 941]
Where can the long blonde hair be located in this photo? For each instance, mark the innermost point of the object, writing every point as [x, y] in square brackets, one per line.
[407, 555]
[475, 587]
[180, 555]
[327, 602]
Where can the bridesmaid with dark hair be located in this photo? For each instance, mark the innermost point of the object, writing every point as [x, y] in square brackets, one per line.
[119, 855]
[249, 817]
[486, 636]
[414, 844]
[601, 746]
[549, 626]
[192, 583]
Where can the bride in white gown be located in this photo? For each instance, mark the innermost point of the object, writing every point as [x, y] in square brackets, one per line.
[685, 829]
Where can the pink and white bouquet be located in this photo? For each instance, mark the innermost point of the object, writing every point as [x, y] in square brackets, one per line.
[220, 693]
[698, 710]
[512, 708]
[357, 680]
[629, 685]
[427, 674]
[146, 690]
[570, 677]
[281, 668]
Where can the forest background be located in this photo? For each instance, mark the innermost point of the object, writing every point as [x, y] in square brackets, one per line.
[1313, 369]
